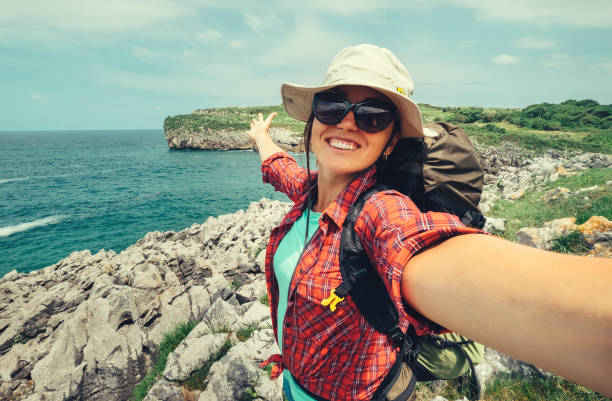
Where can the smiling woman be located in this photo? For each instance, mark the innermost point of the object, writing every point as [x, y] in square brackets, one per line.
[328, 350]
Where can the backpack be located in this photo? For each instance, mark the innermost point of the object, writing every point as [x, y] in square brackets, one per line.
[439, 173]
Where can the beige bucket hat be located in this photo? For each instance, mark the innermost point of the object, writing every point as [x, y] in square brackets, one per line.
[364, 65]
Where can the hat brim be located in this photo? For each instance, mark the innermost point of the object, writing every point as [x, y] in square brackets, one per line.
[297, 100]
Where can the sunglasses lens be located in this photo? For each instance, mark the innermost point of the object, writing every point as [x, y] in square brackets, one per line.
[373, 117]
[329, 108]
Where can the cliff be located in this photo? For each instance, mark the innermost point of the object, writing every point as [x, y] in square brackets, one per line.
[89, 326]
[227, 139]
[225, 129]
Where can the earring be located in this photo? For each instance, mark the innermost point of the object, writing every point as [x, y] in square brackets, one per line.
[385, 156]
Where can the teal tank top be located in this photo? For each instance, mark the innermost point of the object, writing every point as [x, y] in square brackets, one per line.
[285, 260]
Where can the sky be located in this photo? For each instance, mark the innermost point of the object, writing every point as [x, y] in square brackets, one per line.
[128, 64]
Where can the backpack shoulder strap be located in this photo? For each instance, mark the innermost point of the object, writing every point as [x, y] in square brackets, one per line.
[361, 281]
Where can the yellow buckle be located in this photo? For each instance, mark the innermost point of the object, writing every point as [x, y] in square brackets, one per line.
[332, 301]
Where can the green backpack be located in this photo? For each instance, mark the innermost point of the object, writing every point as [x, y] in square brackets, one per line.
[440, 173]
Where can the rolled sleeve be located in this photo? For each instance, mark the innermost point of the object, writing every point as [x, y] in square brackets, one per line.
[283, 173]
[393, 230]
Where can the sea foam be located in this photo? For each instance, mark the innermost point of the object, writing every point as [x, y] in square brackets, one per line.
[5, 180]
[9, 230]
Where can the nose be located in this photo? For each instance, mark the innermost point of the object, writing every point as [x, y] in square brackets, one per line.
[348, 122]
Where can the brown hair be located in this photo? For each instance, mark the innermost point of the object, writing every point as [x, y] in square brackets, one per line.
[307, 135]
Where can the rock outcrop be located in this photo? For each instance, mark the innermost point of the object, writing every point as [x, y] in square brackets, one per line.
[209, 139]
[88, 327]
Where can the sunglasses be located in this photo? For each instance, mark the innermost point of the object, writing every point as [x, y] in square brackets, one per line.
[371, 115]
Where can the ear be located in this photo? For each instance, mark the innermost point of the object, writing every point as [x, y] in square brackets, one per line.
[392, 143]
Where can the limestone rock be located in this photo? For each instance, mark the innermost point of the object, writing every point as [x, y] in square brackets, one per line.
[252, 291]
[596, 229]
[495, 225]
[516, 195]
[191, 354]
[222, 315]
[225, 139]
[555, 194]
[164, 390]
[543, 237]
[238, 371]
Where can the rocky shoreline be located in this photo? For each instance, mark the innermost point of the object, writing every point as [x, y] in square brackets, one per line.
[208, 139]
[87, 327]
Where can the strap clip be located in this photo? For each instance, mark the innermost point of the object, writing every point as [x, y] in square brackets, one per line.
[332, 301]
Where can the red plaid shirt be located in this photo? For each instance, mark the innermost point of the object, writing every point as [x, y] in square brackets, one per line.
[338, 355]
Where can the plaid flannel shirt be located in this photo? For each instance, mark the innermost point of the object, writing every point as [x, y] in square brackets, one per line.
[338, 355]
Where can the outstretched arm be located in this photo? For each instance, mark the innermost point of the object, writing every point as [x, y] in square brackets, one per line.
[549, 309]
[259, 134]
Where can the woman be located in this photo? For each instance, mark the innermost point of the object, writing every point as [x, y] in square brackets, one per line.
[353, 121]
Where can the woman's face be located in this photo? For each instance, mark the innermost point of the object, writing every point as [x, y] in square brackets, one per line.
[344, 149]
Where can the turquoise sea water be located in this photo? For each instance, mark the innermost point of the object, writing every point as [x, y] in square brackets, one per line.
[66, 191]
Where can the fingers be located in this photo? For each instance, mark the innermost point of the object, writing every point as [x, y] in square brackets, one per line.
[270, 117]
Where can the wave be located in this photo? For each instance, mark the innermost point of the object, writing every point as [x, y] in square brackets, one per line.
[5, 180]
[9, 230]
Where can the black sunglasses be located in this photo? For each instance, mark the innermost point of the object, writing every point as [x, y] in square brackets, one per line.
[371, 115]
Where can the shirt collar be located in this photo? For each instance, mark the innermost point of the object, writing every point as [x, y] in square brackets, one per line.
[339, 208]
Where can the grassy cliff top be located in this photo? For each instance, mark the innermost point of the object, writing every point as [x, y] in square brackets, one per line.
[580, 125]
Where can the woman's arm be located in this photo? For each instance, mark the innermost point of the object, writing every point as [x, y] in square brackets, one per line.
[259, 134]
[549, 309]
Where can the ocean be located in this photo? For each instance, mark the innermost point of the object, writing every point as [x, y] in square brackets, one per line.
[65, 191]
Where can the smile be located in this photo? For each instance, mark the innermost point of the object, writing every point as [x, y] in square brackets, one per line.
[339, 144]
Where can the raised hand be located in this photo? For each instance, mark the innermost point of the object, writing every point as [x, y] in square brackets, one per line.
[259, 126]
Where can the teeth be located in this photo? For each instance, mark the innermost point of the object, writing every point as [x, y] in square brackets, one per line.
[342, 145]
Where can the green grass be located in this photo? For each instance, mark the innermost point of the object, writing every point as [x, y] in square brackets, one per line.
[510, 388]
[264, 300]
[232, 118]
[197, 380]
[496, 133]
[170, 341]
[245, 333]
[530, 211]
[489, 126]
[507, 388]
[572, 243]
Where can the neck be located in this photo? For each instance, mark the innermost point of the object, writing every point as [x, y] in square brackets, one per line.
[329, 187]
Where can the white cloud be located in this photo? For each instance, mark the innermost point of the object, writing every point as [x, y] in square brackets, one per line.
[309, 44]
[141, 52]
[592, 13]
[535, 42]
[254, 22]
[505, 59]
[89, 15]
[36, 97]
[605, 67]
[209, 35]
[558, 60]
[236, 44]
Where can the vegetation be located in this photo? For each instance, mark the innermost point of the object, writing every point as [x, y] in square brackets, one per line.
[197, 380]
[530, 211]
[581, 125]
[551, 388]
[509, 388]
[582, 115]
[170, 341]
[231, 118]
[572, 243]
[245, 333]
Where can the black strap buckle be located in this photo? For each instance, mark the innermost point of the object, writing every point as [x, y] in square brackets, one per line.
[360, 274]
[397, 336]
